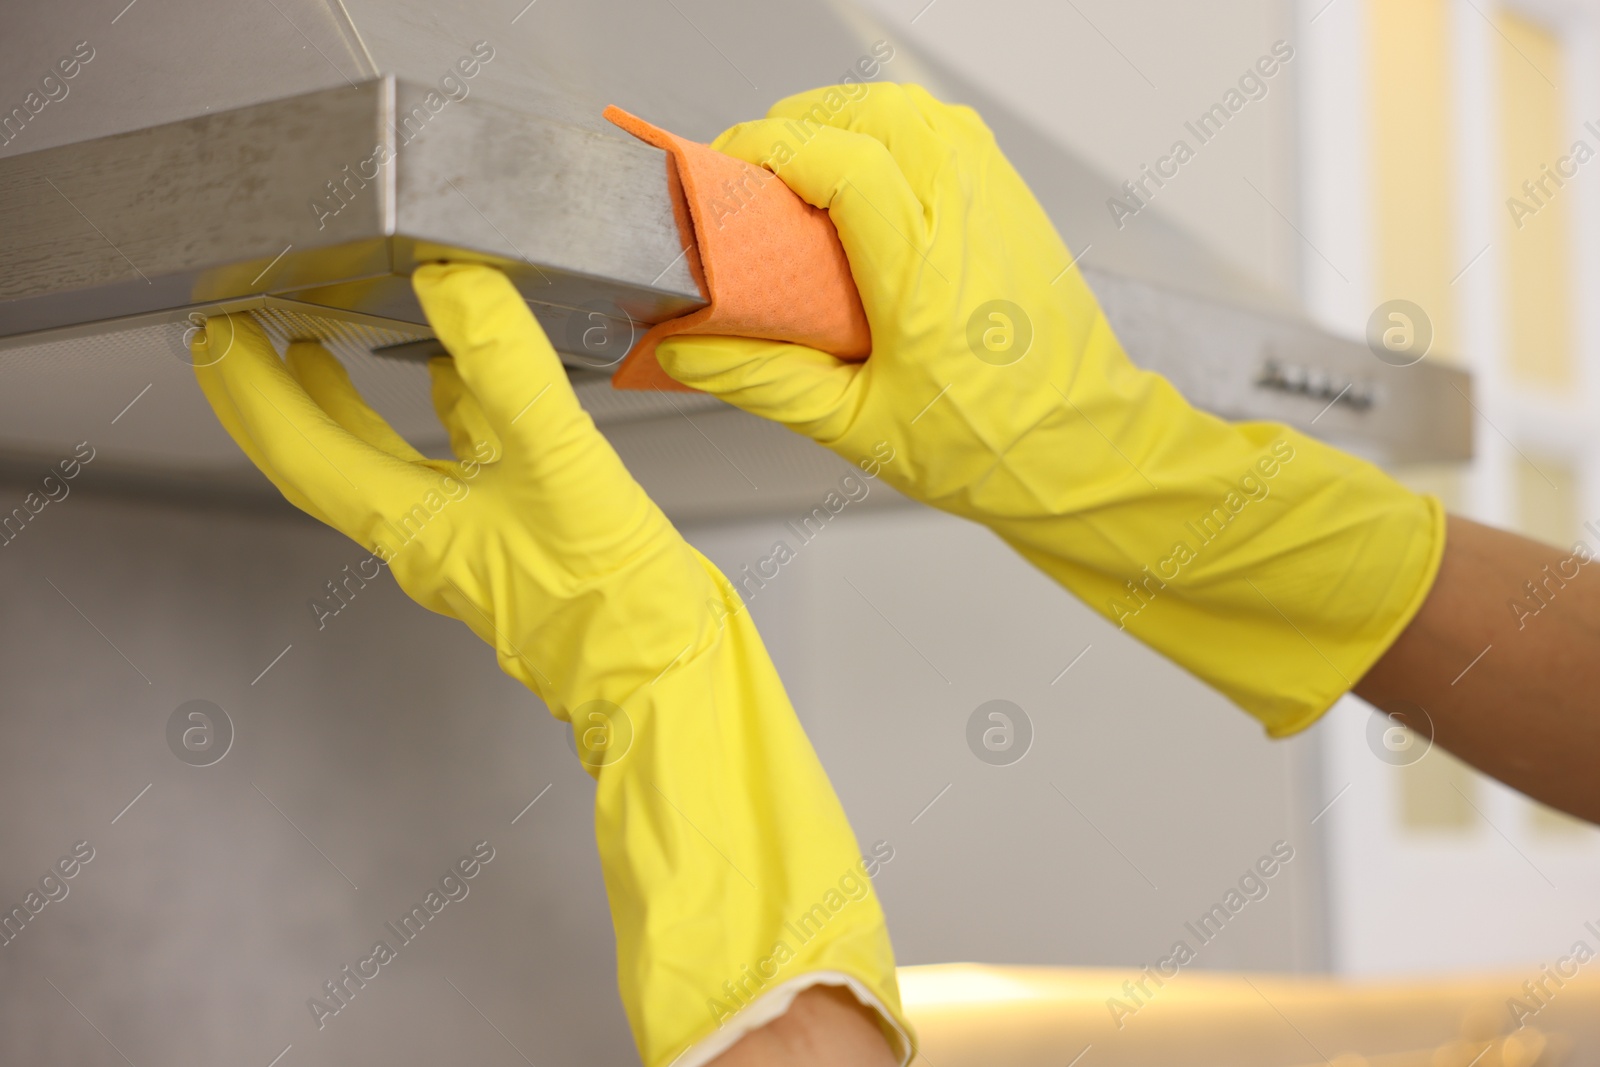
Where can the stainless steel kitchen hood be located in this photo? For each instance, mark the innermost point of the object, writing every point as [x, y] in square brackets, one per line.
[303, 191]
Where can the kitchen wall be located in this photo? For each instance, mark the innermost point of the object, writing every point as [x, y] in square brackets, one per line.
[1117, 81]
[1137, 802]
[366, 757]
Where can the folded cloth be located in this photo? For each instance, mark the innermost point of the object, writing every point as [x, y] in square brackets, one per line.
[770, 263]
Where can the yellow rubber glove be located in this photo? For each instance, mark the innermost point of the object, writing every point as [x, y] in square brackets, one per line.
[1275, 568]
[719, 833]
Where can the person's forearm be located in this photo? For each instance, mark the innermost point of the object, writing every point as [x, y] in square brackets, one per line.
[1511, 691]
[824, 1027]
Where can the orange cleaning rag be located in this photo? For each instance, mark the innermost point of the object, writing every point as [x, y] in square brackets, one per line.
[770, 263]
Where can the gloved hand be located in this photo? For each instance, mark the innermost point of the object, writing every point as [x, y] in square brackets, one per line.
[1275, 568]
[716, 824]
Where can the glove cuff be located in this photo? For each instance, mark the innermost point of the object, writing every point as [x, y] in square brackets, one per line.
[1275, 568]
